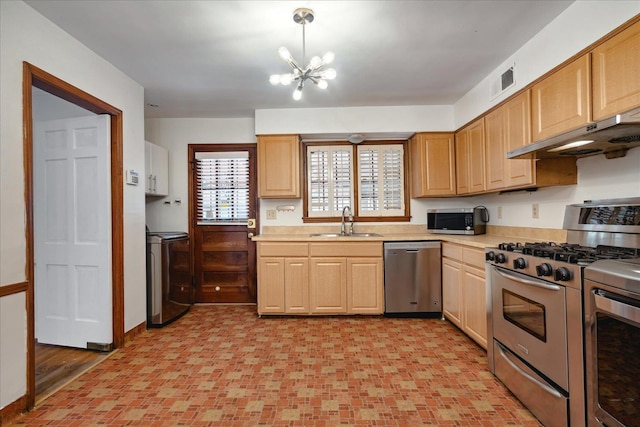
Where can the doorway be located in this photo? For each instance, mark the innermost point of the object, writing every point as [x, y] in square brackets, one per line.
[34, 77]
[223, 205]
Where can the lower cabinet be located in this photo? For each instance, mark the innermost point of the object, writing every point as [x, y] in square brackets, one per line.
[320, 278]
[464, 290]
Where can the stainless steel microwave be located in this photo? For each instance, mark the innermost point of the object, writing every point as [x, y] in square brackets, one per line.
[458, 220]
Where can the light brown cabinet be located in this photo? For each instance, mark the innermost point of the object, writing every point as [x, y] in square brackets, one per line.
[616, 74]
[283, 278]
[320, 278]
[562, 101]
[432, 165]
[279, 166]
[507, 128]
[470, 173]
[464, 290]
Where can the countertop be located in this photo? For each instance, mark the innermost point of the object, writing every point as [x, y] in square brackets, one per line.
[494, 236]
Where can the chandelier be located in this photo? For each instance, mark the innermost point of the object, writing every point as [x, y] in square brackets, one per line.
[314, 72]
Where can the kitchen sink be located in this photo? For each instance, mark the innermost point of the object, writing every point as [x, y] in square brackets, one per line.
[346, 235]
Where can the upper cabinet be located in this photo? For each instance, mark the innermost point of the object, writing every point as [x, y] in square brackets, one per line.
[432, 165]
[470, 172]
[279, 166]
[616, 68]
[562, 101]
[507, 128]
[156, 165]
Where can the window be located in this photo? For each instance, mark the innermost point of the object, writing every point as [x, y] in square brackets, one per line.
[369, 178]
[222, 186]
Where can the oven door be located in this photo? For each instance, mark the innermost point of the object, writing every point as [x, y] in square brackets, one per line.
[529, 319]
[612, 339]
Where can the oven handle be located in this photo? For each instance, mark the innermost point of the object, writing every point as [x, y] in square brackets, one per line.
[507, 357]
[536, 283]
[611, 305]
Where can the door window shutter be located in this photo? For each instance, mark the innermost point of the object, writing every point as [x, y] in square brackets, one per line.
[222, 187]
[330, 180]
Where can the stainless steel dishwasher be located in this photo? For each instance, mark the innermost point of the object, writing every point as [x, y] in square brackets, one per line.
[413, 278]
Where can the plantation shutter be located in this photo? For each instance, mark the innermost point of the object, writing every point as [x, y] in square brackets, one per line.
[381, 173]
[222, 187]
[330, 180]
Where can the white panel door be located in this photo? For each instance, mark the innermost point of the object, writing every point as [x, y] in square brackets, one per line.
[72, 231]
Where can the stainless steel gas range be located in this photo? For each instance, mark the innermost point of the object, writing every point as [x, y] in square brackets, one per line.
[536, 314]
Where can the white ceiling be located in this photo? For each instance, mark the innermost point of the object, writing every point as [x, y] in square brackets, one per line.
[214, 58]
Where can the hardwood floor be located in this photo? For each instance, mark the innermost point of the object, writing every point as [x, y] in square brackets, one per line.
[56, 366]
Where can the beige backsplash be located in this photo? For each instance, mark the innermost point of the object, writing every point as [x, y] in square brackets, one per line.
[514, 233]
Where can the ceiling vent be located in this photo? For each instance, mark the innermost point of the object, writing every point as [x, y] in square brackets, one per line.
[502, 83]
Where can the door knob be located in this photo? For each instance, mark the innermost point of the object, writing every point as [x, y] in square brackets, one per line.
[249, 235]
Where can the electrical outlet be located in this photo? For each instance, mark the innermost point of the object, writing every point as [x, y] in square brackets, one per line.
[272, 214]
[535, 212]
[499, 212]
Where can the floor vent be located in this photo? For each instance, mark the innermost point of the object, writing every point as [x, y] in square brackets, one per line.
[502, 83]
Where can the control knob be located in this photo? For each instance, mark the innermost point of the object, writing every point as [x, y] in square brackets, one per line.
[519, 263]
[501, 258]
[562, 274]
[490, 256]
[544, 269]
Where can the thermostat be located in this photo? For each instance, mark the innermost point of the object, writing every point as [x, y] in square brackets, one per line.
[132, 177]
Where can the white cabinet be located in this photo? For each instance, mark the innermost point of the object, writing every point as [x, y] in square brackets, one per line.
[156, 165]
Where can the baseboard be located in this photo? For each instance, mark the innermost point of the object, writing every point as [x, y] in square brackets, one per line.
[12, 410]
[134, 332]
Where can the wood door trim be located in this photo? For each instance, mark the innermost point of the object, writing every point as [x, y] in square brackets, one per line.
[34, 76]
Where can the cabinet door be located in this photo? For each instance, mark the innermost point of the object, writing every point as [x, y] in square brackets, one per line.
[476, 157]
[433, 165]
[495, 149]
[148, 173]
[474, 317]
[562, 101]
[328, 285]
[160, 169]
[517, 120]
[365, 285]
[451, 291]
[462, 162]
[296, 285]
[278, 166]
[616, 71]
[271, 279]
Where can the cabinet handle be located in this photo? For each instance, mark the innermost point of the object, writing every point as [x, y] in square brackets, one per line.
[154, 184]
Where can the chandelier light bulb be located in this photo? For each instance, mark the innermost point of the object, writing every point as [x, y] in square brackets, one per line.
[315, 62]
[322, 84]
[274, 79]
[285, 54]
[329, 74]
[286, 79]
[328, 58]
[297, 94]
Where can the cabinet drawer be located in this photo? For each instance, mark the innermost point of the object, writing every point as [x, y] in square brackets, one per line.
[274, 249]
[473, 257]
[452, 251]
[346, 249]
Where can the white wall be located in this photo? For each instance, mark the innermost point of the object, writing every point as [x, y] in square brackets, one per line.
[27, 36]
[581, 24]
[175, 135]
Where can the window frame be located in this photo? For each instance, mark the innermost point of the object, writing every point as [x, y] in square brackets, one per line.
[356, 183]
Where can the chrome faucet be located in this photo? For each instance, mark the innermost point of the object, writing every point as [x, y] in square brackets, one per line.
[343, 228]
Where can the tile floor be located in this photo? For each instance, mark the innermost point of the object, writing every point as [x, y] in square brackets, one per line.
[224, 366]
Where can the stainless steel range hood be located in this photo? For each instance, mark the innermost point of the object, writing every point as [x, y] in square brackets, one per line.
[612, 137]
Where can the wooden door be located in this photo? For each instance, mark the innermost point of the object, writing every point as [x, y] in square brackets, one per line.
[518, 172]
[433, 165]
[476, 157]
[495, 149]
[365, 285]
[223, 218]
